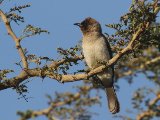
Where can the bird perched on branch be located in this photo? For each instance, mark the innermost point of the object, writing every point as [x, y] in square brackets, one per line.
[96, 49]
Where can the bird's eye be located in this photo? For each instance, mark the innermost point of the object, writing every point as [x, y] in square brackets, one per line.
[83, 23]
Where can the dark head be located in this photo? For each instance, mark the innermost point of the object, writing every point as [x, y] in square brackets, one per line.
[89, 26]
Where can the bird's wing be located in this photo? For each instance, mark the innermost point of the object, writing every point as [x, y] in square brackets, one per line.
[110, 53]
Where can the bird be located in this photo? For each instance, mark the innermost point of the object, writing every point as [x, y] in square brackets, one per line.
[97, 50]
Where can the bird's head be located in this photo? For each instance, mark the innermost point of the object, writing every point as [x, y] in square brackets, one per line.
[89, 26]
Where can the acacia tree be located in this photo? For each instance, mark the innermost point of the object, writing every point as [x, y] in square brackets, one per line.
[136, 46]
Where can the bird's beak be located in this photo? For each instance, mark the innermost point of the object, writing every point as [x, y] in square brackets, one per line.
[77, 24]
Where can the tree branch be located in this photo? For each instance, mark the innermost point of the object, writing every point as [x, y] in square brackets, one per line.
[149, 112]
[55, 104]
[48, 110]
[15, 38]
[56, 64]
[155, 60]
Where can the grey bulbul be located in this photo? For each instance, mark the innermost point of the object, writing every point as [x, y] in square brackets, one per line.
[96, 49]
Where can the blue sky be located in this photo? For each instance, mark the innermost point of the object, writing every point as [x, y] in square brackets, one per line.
[58, 17]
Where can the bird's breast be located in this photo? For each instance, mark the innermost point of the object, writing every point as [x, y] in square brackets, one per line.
[89, 54]
[94, 51]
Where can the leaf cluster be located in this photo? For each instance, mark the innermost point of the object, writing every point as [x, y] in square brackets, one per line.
[13, 14]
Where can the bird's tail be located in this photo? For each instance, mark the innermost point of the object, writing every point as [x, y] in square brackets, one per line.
[113, 103]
